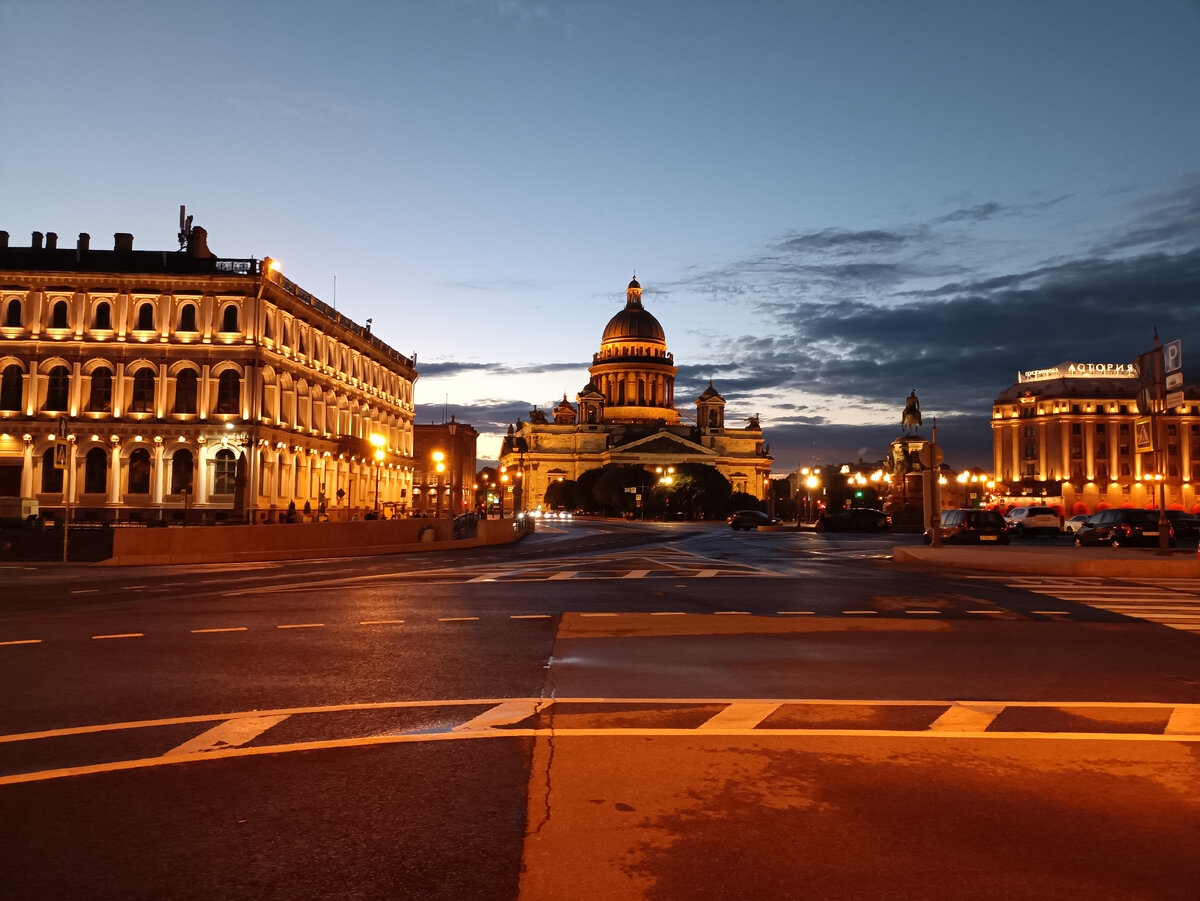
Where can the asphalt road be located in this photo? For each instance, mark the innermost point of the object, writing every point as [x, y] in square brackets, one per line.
[603, 711]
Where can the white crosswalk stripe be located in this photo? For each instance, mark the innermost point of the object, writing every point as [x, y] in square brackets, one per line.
[1174, 603]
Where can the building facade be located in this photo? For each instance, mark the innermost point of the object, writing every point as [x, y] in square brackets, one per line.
[1069, 436]
[189, 387]
[626, 413]
[443, 481]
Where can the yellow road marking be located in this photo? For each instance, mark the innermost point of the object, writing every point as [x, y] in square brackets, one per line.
[229, 734]
[122, 635]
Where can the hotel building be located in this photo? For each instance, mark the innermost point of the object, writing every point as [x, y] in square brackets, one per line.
[1068, 436]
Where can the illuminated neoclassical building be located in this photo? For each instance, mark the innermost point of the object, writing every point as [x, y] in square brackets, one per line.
[626, 414]
[190, 387]
[1067, 435]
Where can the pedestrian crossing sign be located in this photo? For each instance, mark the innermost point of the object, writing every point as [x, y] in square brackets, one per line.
[61, 451]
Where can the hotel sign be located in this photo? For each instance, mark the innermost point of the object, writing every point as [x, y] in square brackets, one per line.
[1079, 371]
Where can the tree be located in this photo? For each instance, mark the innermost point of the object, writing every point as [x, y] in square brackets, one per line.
[562, 493]
[701, 491]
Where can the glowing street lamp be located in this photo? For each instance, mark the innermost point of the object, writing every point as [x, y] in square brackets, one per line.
[378, 441]
[440, 467]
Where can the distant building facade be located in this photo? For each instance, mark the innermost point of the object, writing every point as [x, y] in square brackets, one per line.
[450, 490]
[1068, 435]
[626, 413]
[190, 388]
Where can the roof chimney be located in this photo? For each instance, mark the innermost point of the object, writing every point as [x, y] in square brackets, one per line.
[85, 241]
[51, 240]
[123, 242]
[37, 241]
[197, 242]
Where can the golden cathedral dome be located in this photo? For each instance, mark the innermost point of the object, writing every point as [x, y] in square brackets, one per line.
[634, 323]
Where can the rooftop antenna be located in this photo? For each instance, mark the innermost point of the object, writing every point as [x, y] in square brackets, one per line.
[335, 292]
[185, 227]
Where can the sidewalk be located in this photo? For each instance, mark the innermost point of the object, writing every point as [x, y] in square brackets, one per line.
[1121, 563]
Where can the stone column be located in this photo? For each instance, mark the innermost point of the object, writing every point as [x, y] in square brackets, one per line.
[114, 473]
[156, 473]
[27, 471]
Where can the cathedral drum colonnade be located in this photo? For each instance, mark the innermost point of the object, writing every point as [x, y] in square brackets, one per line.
[191, 387]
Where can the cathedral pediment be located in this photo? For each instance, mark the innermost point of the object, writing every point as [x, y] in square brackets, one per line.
[663, 443]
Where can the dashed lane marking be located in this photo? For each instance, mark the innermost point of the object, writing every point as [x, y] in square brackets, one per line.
[23, 641]
[381, 622]
[121, 635]
[84, 590]
[458, 619]
[301, 626]
[532, 616]
[225, 629]
[229, 735]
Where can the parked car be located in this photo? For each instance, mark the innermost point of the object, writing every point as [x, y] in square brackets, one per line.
[1033, 521]
[971, 526]
[1122, 528]
[1076, 522]
[1184, 524]
[855, 519]
[750, 519]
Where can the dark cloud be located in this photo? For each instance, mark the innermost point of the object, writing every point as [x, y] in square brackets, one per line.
[447, 368]
[837, 240]
[978, 213]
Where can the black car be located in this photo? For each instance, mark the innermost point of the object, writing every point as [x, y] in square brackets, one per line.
[750, 519]
[970, 526]
[1184, 524]
[855, 519]
[1123, 528]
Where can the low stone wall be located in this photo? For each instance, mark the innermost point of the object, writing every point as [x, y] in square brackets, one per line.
[231, 544]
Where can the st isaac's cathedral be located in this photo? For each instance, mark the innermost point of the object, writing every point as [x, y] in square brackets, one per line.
[626, 414]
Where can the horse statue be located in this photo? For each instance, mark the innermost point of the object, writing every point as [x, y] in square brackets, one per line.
[910, 419]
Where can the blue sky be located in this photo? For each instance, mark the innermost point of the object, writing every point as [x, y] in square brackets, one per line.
[828, 204]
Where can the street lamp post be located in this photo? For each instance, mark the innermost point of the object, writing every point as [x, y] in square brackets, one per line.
[378, 442]
[455, 504]
[440, 467]
[503, 488]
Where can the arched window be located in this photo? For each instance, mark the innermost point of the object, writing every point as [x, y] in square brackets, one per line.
[187, 318]
[58, 315]
[139, 471]
[229, 392]
[100, 397]
[229, 319]
[287, 338]
[10, 387]
[52, 479]
[224, 472]
[102, 319]
[58, 389]
[145, 318]
[185, 392]
[142, 399]
[181, 471]
[267, 332]
[95, 471]
[712, 419]
[12, 316]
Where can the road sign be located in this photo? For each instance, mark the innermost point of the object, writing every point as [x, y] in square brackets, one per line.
[930, 456]
[1143, 436]
[1174, 399]
[62, 452]
[63, 425]
[1172, 356]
